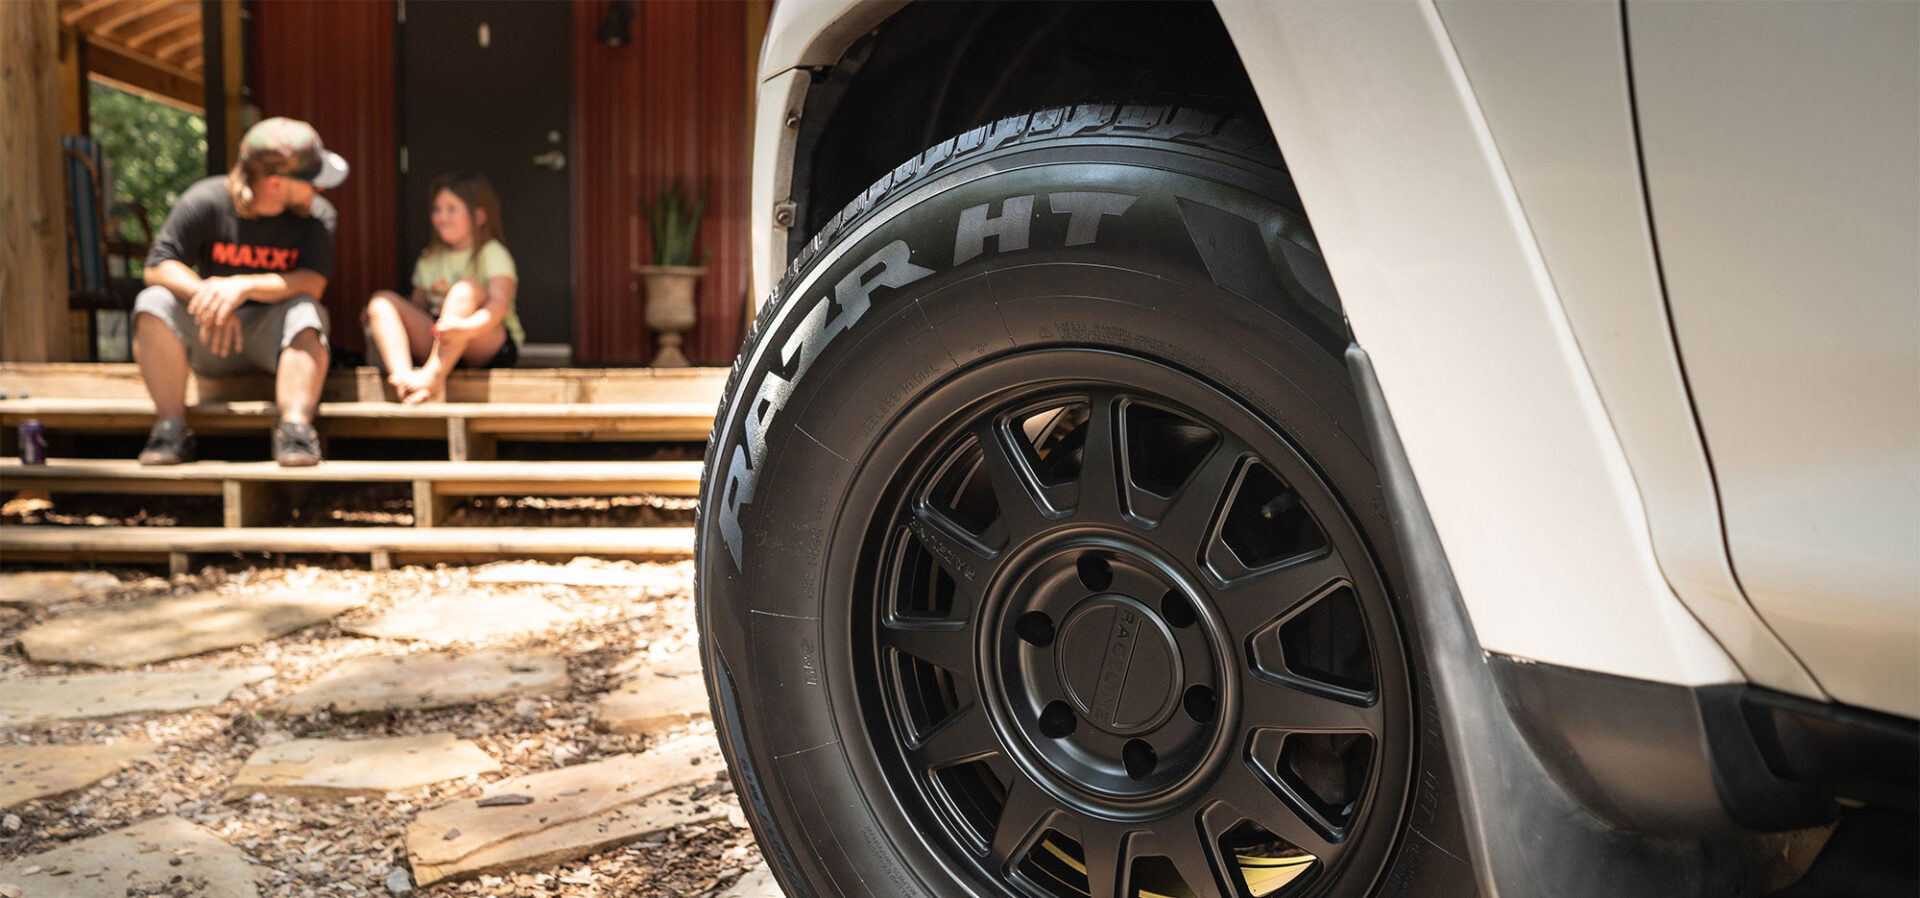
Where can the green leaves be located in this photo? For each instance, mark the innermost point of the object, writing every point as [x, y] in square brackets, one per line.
[674, 218]
[155, 151]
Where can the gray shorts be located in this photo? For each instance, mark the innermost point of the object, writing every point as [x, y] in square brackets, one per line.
[266, 329]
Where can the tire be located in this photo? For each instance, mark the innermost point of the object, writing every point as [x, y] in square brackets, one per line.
[1040, 548]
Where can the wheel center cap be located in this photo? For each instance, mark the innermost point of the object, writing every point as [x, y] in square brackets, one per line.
[1118, 665]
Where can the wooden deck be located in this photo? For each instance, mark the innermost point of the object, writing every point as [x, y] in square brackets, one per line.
[485, 406]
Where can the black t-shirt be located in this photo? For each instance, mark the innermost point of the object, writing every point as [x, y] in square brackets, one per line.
[205, 234]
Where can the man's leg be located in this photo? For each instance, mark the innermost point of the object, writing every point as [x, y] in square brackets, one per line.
[162, 353]
[163, 366]
[159, 350]
[301, 375]
[289, 338]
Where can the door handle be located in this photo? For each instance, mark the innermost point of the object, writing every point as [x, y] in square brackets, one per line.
[553, 160]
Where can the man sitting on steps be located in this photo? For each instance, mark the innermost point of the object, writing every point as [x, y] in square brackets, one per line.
[233, 284]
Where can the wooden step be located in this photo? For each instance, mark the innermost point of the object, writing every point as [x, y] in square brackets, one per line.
[53, 380]
[453, 478]
[383, 544]
[259, 494]
[468, 427]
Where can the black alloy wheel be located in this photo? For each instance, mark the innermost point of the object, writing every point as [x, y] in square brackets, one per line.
[1041, 553]
[1120, 645]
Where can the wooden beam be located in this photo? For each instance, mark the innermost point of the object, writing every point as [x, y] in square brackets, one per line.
[74, 96]
[120, 66]
[188, 43]
[130, 11]
[147, 37]
[74, 15]
[33, 209]
[221, 58]
[626, 542]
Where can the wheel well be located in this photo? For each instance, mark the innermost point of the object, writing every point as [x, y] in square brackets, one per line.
[937, 69]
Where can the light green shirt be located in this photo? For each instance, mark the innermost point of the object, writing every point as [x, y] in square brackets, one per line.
[439, 269]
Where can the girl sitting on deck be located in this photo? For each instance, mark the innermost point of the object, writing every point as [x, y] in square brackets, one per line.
[461, 310]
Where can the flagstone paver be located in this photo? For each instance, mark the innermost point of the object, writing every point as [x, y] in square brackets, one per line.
[28, 772]
[756, 883]
[574, 811]
[161, 856]
[475, 617]
[662, 695]
[418, 682]
[134, 633]
[39, 699]
[577, 575]
[339, 768]
[33, 589]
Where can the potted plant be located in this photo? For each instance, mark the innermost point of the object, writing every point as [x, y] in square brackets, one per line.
[674, 216]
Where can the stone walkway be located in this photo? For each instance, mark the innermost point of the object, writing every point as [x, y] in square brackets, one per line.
[505, 730]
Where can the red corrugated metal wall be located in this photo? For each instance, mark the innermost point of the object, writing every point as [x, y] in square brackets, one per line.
[331, 64]
[672, 102]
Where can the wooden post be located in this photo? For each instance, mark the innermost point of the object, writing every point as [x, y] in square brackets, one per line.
[33, 210]
[430, 509]
[252, 503]
[221, 61]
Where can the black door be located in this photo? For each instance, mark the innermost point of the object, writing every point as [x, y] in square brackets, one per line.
[489, 86]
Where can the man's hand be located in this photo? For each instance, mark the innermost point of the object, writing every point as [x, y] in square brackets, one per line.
[215, 301]
[223, 338]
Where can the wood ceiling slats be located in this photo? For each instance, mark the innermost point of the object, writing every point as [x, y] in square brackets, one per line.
[166, 33]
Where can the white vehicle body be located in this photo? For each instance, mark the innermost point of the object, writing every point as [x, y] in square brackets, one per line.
[1473, 177]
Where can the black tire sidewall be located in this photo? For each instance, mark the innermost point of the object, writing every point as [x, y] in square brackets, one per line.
[776, 623]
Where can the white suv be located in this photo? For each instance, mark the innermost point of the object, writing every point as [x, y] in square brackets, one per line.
[1327, 449]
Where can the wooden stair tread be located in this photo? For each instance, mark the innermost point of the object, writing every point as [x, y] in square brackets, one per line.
[38, 407]
[365, 383]
[624, 541]
[353, 470]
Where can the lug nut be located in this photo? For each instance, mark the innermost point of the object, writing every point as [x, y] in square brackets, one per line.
[1035, 628]
[1140, 759]
[1175, 610]
[1095, 573]
[1057, 721]
[1200, 705]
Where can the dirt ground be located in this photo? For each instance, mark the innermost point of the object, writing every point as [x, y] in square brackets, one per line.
[349, 847]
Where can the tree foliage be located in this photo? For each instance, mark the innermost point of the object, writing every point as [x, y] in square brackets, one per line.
[154, 151]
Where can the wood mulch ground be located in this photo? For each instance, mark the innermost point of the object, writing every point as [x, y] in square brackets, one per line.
[349, 847]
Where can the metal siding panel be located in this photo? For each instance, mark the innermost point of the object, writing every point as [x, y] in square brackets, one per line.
[347, 93]
[672, 102]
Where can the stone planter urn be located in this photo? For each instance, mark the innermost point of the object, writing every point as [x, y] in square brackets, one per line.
[670, 309]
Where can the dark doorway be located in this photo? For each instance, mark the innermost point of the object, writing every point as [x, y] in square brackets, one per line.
[488, 86]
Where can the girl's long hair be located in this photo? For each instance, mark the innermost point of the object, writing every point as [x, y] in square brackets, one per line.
[476, 191]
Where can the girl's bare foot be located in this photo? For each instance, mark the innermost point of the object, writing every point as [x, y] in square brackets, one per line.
[402, 382]
[412, 385]
[426, 385]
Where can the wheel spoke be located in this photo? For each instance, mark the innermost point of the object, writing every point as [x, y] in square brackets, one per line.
[963, 736]
[1189, 856]
[1104, 847]
[1100, 474]
[947, 646]
[1015, 487]
[1258, 598]
[1285, 705]
[1265, 801]
[1023, 815]
[962, 555]
[1189, 522]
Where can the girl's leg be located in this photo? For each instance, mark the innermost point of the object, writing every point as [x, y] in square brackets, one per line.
[463, 299]
[400, 332]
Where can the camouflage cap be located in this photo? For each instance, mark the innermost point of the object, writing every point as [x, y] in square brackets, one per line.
[291, 148]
